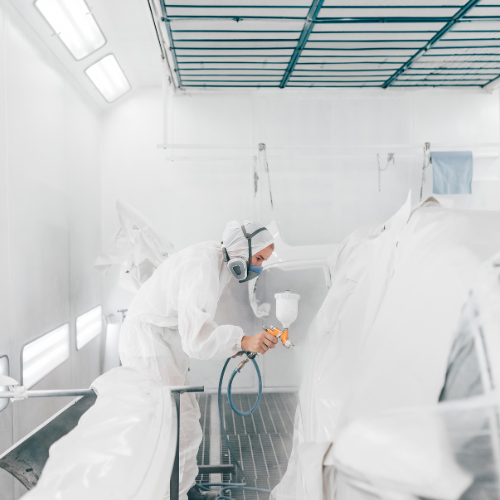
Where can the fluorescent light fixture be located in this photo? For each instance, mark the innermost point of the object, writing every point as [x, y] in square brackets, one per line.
[74, 24]
[45, 354]
[88, 326]
[4, 370]
[109, 78]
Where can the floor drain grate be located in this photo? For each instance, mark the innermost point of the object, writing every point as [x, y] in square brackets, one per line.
[262, 442]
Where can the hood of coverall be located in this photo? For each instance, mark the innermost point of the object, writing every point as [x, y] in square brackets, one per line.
[236, 244]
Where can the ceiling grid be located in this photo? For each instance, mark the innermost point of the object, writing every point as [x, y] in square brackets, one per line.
[334, 43]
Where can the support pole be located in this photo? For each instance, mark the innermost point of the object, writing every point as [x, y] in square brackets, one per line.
[174, 478]
[90, 392]
[166, 20]
[51, 393]
[304, 37]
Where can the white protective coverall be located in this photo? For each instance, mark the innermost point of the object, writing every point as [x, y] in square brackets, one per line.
[172, 318]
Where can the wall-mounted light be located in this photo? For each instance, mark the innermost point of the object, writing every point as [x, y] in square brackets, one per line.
[44, 354]
[88, 326]
[109, 78]
[4, 370]
[74, 24]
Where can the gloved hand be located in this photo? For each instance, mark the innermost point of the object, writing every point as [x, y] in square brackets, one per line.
[261, 342]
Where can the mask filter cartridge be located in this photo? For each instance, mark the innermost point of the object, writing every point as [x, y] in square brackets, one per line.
[238, 268]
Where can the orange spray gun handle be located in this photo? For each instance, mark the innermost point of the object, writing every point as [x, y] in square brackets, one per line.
[281, 334]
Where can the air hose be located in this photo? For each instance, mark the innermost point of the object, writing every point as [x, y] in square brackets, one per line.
[250, 356]
[240, 474]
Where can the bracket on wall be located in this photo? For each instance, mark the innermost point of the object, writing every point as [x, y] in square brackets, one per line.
[427, 162]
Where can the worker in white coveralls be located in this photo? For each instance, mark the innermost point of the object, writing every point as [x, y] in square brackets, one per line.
[172, 318]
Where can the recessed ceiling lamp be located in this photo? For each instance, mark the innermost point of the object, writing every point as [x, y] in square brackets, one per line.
[109, 78]
[74, 24]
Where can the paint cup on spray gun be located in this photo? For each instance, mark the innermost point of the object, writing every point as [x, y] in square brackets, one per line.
[287, 308]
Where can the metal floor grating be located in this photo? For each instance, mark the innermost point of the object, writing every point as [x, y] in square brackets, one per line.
[262, 442]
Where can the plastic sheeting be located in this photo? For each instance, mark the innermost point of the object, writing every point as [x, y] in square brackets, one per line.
[382, 338]
[158, 352]
[446, 451]
[474, 364]
[123, 446]
[137, 247]
[443, 452]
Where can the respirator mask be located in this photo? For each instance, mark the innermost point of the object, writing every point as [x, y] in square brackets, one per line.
[240, 269]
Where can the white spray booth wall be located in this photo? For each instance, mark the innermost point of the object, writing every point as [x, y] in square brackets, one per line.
[323, 171]
[49, 221]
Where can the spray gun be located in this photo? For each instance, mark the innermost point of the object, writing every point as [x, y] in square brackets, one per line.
[287, 307]
[281, 334]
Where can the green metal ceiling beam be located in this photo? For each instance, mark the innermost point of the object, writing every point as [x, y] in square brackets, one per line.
[306, 31]
[338, 53]
[171, 41]
[449, 25]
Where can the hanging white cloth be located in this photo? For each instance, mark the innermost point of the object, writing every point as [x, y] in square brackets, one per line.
[136, 246]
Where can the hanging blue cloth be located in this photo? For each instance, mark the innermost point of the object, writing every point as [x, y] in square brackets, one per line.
[452, 172]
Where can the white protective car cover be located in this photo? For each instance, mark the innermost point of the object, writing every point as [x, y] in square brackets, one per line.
[448, 450]
[431, 451]
[122, 448]
[382, 337]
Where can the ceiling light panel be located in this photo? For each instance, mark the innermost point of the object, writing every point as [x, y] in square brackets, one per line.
[75, 25]
[88, 326]
[44, 354]
[109, 78]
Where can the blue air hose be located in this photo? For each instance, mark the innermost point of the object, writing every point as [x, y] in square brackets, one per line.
[240, 474]
[229, 396]
[231, 404]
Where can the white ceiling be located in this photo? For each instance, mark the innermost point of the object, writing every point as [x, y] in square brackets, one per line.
[130, 35]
